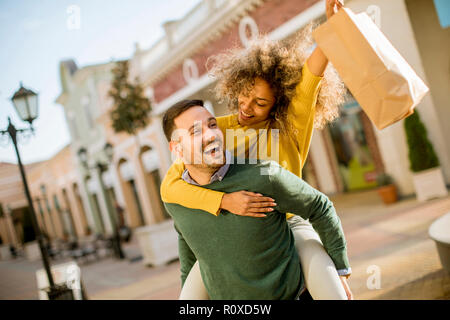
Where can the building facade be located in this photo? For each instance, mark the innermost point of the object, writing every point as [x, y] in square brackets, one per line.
[13, 205]
[348, 153]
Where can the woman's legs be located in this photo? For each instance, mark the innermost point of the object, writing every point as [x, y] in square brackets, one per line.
[322, 279]
[193, 288]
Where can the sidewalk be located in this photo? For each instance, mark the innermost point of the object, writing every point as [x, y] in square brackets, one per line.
[392, 239]
[106, 278]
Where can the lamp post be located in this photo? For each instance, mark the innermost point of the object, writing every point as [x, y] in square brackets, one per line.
[102, 167]
[48, 208]
[25, 102]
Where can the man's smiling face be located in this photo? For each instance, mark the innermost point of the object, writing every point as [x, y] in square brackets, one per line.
[198, 139]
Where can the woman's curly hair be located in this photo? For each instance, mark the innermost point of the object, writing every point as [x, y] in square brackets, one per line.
[279, 63]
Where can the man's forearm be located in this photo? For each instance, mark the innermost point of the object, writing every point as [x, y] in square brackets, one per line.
[328, 225]
[296, 196]
[186, 256]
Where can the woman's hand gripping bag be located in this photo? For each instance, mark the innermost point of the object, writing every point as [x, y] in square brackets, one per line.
[380, 79]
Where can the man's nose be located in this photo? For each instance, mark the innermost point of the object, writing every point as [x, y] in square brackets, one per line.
[209, 135]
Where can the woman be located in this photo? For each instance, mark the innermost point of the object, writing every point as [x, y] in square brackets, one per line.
[263, 86]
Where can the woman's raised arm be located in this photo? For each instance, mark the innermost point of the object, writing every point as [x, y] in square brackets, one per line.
[317, 61]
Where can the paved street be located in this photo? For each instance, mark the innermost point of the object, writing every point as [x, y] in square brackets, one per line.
[391, 240]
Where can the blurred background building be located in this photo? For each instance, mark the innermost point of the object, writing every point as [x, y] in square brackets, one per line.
[346, 156]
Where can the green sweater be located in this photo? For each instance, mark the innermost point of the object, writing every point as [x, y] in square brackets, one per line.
[255, 258]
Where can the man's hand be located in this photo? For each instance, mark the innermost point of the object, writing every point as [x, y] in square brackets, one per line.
[331, 5]
[245, 203]
[346, 287]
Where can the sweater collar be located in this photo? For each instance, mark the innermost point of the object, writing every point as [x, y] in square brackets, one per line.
[217, 176]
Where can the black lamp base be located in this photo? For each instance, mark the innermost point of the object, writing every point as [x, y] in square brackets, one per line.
[60, 292]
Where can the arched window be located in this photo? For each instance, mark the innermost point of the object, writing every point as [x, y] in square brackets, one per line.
[86, 104]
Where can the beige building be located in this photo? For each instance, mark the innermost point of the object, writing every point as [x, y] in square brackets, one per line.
[132, 177]
[57, 203]
[13, 204]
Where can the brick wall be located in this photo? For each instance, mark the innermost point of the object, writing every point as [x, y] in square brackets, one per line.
[270, 15]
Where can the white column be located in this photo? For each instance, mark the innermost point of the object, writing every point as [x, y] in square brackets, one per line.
[323, 170]
[11, 230]
[84, 194]
[102, 203]
[164, 154]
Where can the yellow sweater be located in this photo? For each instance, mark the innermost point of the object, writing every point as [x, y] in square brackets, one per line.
[292, 152]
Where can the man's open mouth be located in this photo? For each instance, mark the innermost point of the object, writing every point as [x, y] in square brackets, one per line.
[212, 150]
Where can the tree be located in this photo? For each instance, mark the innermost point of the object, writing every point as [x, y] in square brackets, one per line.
[131, 107]
[421, 152]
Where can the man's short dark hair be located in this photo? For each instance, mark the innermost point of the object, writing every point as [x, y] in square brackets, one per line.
[168, 120]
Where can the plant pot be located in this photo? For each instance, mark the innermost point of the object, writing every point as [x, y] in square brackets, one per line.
[429, 184]
[158, 243]
[32, 250]
[388, 193]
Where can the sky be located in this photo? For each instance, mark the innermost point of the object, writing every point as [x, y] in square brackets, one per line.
[36, 35]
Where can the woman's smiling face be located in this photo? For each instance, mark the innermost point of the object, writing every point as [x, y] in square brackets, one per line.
[256, 104]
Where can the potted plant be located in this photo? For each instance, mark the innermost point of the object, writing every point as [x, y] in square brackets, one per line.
[386, 188]
[424, 163]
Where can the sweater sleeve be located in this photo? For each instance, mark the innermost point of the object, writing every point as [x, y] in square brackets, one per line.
[187, 257]
[175, 190]
[302, 109]
[296, 196]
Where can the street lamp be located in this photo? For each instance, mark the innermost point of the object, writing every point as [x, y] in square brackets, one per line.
[25, 102]
[101, 167]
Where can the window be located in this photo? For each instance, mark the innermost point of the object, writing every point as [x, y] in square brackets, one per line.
[73, 126]
[86, 103]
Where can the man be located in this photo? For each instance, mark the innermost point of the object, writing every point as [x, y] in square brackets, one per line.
[243, 257]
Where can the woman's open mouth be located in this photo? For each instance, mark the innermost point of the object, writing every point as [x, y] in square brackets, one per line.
[245, 116]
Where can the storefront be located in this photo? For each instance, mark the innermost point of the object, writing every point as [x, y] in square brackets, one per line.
[356, 165]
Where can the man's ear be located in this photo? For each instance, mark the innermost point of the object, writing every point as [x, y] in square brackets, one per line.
[175, 149]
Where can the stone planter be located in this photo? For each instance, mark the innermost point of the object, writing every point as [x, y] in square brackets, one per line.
[439, 231]
[429, 184]
[66, 273]
[5, 253]
[388, 193]
[158, 243]
[32, 251]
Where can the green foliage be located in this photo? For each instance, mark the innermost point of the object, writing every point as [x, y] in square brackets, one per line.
[131, 107]
[384, 179]
[421, 152]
